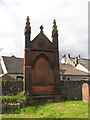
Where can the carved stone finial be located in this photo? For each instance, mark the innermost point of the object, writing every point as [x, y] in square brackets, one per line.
[54, 28]
[41, 28]
[27, 27]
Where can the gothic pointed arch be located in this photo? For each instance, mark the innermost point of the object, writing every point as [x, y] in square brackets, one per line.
[42, 71]
[41, 55]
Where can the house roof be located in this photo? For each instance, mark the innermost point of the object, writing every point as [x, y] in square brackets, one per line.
[67, 69]
[13, 64]
[85, 63]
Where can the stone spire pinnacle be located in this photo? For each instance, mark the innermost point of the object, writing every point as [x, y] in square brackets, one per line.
[54, 28]
[27, 27]
[41, 29]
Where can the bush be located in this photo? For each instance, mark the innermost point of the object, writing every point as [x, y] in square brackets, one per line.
[20, 97]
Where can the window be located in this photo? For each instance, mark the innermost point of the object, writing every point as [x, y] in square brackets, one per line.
[19, 77]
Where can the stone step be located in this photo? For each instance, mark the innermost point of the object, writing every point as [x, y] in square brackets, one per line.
[33, 99]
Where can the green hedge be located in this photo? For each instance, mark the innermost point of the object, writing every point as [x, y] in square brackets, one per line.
[20, 97]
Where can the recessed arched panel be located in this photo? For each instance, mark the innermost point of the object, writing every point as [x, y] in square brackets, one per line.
[42, 73]
[42, 77]
[45, 57]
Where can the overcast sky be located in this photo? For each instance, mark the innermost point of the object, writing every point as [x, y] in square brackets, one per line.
[71, 17]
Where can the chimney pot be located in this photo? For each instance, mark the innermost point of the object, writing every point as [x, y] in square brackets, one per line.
[78, 56]
[68, 55]
[76, 61]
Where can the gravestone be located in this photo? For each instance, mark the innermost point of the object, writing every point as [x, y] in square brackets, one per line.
[41, 63]
[86, 92]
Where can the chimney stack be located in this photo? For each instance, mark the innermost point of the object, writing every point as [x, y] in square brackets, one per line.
[63, 59]
[68, 55]
[78, 56]
[76, 61]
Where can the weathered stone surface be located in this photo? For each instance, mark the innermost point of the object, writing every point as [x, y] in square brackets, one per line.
[86, 92]
[41, 63]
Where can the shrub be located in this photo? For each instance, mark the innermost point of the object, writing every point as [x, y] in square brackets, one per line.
[20, 97]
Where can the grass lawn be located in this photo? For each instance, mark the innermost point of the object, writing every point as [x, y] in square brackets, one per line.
[66, 109]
